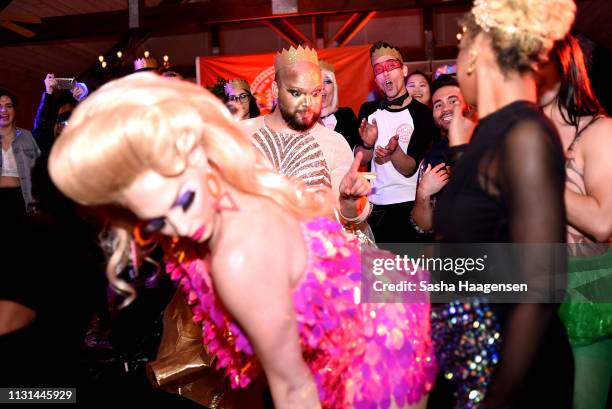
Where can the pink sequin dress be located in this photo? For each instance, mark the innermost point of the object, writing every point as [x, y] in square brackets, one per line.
[362, 355]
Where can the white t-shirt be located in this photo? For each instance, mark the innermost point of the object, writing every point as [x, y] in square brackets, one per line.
[9, 164]
[390, 186]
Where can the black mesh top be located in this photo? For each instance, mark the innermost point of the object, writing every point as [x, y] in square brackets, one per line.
[507, 187]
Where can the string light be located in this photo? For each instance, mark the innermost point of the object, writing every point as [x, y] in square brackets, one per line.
[146, 54]
[103, 64]
[119, 54]
[101, 58]
[166, 58]
[460, 35]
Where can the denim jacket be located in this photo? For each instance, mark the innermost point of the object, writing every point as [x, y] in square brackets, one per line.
[26, 152]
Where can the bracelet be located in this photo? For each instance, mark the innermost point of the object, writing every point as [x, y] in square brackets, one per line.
[367, 147]
[361, 217]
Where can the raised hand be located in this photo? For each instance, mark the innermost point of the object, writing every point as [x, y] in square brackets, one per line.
[353, 184]
[384, 154]
[433, 180]
[79, 91]
[50, 83]
[461, 128]
[368, 132]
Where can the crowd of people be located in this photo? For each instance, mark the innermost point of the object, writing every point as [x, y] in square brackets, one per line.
[265, 224]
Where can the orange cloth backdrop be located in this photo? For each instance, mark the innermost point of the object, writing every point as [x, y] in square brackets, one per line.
[351, 66]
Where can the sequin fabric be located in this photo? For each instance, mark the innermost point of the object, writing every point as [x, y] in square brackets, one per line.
[361, 355]
[467, 340]
[298, 156]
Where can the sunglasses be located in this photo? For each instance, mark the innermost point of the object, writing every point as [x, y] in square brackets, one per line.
[387, 66]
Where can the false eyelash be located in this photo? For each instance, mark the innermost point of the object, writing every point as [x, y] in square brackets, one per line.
[186, 200]
[154, 225]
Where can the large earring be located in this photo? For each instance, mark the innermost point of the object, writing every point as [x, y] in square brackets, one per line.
[139, 238]
[223, 201]
[472, 63]
[213, 185]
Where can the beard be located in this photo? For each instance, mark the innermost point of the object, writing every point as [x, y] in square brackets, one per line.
[294, 122]
[442, 126]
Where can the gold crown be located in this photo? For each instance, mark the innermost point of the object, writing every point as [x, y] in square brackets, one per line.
[386, 51]
[234, 84]
[145, 63]
[286, 58]
[326, 66]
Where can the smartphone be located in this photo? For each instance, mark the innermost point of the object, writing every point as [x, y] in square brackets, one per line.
[64, 83]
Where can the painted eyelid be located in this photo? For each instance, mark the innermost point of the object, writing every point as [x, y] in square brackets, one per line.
[154, 225]
[185, 200]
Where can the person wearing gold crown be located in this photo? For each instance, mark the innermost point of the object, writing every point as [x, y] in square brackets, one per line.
[239, 100]
[298, 145]
[507, 186]
[145, 64]
[395, 139]
[273, 283]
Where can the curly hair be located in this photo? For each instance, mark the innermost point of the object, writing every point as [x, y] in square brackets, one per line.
[522, 32]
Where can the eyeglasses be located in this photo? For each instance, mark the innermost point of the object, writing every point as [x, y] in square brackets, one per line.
[242, 98]
[388, 65]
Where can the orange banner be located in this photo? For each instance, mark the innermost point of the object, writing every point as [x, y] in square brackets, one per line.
[351, 66]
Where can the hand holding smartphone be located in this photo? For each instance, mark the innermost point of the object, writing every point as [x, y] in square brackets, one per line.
[64, 83]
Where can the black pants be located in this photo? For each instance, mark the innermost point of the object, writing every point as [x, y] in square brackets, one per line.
[11, 202]
[391, 223]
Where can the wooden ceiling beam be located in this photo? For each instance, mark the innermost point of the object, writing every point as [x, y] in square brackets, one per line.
[196, 17]
[355, 28]
[287, 32]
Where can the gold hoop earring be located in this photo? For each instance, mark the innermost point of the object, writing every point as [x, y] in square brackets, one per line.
[223, 201]
[140, 238]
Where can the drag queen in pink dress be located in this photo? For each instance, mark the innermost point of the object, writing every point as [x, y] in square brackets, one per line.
[273, 283]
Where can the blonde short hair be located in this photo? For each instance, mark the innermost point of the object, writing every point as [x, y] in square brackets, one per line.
[522, 32]
[333, 105]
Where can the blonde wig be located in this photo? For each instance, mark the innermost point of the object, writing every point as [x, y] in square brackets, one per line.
[145, 122]
[522, 32]
[333, 105]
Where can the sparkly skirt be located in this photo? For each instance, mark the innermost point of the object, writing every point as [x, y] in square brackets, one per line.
[466, 338]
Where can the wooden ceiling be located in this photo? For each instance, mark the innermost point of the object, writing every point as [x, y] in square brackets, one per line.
[71, 34]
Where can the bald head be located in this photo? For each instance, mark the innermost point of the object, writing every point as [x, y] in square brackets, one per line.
[298, 90]
[301, 70]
